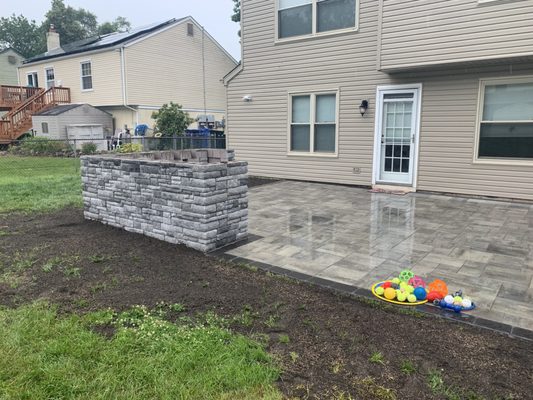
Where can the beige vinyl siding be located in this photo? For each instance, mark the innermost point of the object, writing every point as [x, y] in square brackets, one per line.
[432, 32]
[257, 130]
[106, 76]
[8, 71]
[168, 67]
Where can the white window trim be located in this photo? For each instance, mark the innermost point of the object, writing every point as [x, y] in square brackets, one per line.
[481, 102]
[313, 94]
[28, 73]
[51, 67]
[314, 33]
[81, 76]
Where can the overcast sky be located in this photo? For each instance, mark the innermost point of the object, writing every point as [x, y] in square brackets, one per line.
[214, 15]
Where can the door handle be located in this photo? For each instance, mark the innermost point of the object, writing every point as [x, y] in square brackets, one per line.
[413, 138]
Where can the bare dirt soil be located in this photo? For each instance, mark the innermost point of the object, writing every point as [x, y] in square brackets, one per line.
[327, 344]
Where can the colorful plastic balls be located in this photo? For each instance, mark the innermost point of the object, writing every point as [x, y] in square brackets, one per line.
[438, 286]
[402, 296]
[387, 284]
[405, 275]
[417, 281]
[466, 303]
[396, 281]
[395, 286]
[411, 298]
[448, 299]
[390, 293]
[420, 293]
[434, 296]
[457, 308]
[380, 290]
[409, 289]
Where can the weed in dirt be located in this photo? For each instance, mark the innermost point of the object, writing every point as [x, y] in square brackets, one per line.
[272, 321]
[41, 349]
[377, 358]
[438, 387]
[81, 303]
[261, 338]
[138, 279]
[284, 339]
[247, 266]
[407, 367]
[310, 323]
[369, 388]
[294, 356]
[4, 233]
[72, 272]
[337, 367]
[246, 317]
[13, 269]
[97, 259]
[205, 284]
[302, 307]
[99, 287]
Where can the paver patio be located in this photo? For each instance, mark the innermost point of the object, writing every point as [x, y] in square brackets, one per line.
[355, 237]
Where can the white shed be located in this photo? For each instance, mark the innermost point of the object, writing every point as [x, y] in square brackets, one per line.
[53, 123]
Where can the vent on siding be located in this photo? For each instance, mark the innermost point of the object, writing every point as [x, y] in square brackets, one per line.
[12, 59]
[190, 29]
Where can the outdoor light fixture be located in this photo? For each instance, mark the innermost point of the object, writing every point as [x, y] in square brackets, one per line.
[363, 107]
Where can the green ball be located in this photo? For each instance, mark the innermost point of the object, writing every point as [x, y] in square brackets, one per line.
[396, 281]
[411, 298]
[401, 296]
[409, 289]
[380, 290]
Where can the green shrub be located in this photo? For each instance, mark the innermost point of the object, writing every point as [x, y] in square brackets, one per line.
[89, 148]
[130, 148]
[39, 146]
[171, 119]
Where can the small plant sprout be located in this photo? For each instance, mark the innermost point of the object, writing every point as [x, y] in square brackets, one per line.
[377, 358]
[284, 339]
[407, 367]
[294, 356]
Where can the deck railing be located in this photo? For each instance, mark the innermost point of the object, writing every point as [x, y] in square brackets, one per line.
[11, 96]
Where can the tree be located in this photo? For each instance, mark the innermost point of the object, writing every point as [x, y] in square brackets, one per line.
[72, 24]
[22, 35]
[171, 119]
[236, 17]
[120, 24]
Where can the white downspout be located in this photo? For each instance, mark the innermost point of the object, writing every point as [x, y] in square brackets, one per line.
[124, 93]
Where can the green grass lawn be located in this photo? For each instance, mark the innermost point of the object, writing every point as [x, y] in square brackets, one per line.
[46, 356]
[37, 184]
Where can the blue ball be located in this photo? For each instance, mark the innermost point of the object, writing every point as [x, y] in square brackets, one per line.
[420, 293]
[457, 308]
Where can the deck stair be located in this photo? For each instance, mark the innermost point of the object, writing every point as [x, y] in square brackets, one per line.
[19, 120]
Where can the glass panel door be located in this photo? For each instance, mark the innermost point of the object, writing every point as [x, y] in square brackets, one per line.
[397, 140]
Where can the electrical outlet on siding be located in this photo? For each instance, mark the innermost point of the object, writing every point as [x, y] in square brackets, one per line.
[356, 170]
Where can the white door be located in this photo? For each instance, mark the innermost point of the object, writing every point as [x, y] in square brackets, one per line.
[397, 135]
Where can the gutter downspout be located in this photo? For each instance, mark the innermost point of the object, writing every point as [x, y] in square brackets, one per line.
[124, 93]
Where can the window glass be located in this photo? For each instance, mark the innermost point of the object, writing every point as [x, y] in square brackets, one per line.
[301, 109]
[295, 18]
[300, 138]
[325, 108]
[335, 14]
[44, 127]
[513, 102]
[86, 76]
[325, 138]
[50, 78]
[506, 129]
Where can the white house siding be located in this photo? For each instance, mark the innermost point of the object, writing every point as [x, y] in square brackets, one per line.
[168, 67]
[425, 32]
[106, 73]
[258, 130]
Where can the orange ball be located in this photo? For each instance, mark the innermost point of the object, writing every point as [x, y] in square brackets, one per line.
[438, 286]
[390, 293]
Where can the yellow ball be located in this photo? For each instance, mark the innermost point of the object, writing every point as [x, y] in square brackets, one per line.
[409, 289]
[390, 294]
[401, 296]
[411, 298]
[380, 291]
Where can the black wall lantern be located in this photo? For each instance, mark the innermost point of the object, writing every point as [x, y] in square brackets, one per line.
[363, 107]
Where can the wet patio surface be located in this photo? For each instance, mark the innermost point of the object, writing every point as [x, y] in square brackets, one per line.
[351, 236]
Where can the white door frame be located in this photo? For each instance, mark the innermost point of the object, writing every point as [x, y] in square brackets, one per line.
[378, 125]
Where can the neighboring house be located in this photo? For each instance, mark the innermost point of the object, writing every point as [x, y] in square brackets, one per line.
[10, 60]
[132, 74]
[55, 122]
[449, 88]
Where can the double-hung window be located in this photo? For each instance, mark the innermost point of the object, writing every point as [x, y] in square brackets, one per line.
[506, 120]
[86, 76]
[313, 123]
[50, 77]
[311, 17]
